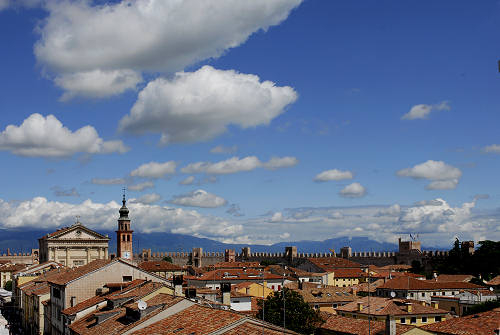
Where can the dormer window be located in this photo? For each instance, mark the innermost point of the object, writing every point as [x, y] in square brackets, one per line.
[78, 233]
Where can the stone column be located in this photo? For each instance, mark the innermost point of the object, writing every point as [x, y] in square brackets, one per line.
[67, 256]
[100, 252]
[52, 254]
[106, 253]
[88, 254]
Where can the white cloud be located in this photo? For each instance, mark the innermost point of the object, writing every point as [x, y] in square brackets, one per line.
[148, 35]
[107, 181]
[285, 236]
[280, 162]
[277, 217]
[220, 149]
[354, 190]
[97, 83]
[422, 111]
[199, 198]
[228, 166]
[4, 4]
[187, 181]
[393, 210]
[493, 149]
[441, 175]
[40, 136]
[154, 170]
[198, 106]
[333, 175]
[141, 186]
[147, 199]
[235, 165]
[145, 218]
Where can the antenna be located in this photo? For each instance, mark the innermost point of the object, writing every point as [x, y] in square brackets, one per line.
[142, 305]
[393, 294]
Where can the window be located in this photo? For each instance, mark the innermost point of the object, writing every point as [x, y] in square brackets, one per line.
[127, 278]
[413, 320]
[334, 305]
[423, 294]
[316, 306]
[437, 318]
[56, 293]
[77, 262]
[424, 319]
[403, 320]
[452, 309]
[411, 294]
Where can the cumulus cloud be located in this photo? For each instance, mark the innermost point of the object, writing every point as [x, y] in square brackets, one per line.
[220, 149]
[441, 175]
[107, 181]
[97, 83]
[40, 136]
[277, 217]
[154, 170]
[235, 165]
[280, 162]
[198, 198]
[492, 149]
[146, 199]
[354, 190]
[187, 181]
[146, 35]
[198, 106]
[141, 186]
[422, 111]
[145, 218]
[333, 175]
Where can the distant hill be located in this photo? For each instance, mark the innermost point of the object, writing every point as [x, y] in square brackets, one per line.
[25, 240]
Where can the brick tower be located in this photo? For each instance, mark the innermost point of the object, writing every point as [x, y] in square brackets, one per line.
[124, 234]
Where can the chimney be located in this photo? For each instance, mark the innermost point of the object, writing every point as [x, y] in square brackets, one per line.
[178, 280]
[360, 306]
[226, 293]
[409, 307]
[435, 304]
[390, 325]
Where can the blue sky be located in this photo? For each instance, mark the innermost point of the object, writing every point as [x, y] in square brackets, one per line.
[395, 104]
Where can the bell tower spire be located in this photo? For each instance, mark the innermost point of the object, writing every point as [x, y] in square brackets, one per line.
[124, 233]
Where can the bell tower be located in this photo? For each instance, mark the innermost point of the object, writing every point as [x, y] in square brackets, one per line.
[124, 234]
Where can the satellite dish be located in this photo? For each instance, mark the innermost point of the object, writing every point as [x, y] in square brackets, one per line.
[142, 305]
[491, 289]
[393, 294]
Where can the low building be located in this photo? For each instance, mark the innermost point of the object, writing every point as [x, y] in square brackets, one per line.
[463, 301]
[329, 264]
[6, 272]
[486, 323]
[253, 289]
[410, 288]
[325, 298]
[213, 279]
[348, 277]
[340, 325]
[404, 311]
[312, 277]
[72, 287]
[162, 268]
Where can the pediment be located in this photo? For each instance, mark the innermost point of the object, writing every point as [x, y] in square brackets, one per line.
[77, 232]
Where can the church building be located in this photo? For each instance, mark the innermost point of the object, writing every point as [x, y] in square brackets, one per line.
[124, 234]
[73, 246]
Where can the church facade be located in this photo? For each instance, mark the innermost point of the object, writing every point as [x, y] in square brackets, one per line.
[73, 246]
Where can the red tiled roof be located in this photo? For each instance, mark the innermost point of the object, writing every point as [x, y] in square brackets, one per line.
[454, 278]
[352, 326]
[331, 263]
[158, 266]
[385, 306]
[349, 273]
[495, 281]
[195, 319]
[248, 328]
[234, 265]
[485, 323]
[408, 283]
[66, 277]
[329, 294]
[12, 267]
[235, 274]
[303, 273]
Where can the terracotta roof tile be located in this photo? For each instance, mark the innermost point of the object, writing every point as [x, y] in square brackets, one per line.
[349, 273]
[249, 328]
[12, 267]
[485, 323]
[193, 320]
[454, 278]
[385, 306]
[156, 266]
[352, 326]
[330, 294]
[235, 274]
[495, 281]
[78, 272]
[331, 263]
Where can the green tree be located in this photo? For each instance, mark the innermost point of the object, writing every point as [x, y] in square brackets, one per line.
[8, 285]
[168, 259]
[299, 316]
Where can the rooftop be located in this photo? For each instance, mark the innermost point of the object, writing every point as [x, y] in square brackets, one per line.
[154, 266]
[408, 283]
[75, 273]
[485, 323]
[346, 325]
[386, 306]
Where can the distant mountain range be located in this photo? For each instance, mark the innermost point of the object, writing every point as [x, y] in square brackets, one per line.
[25, 240]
